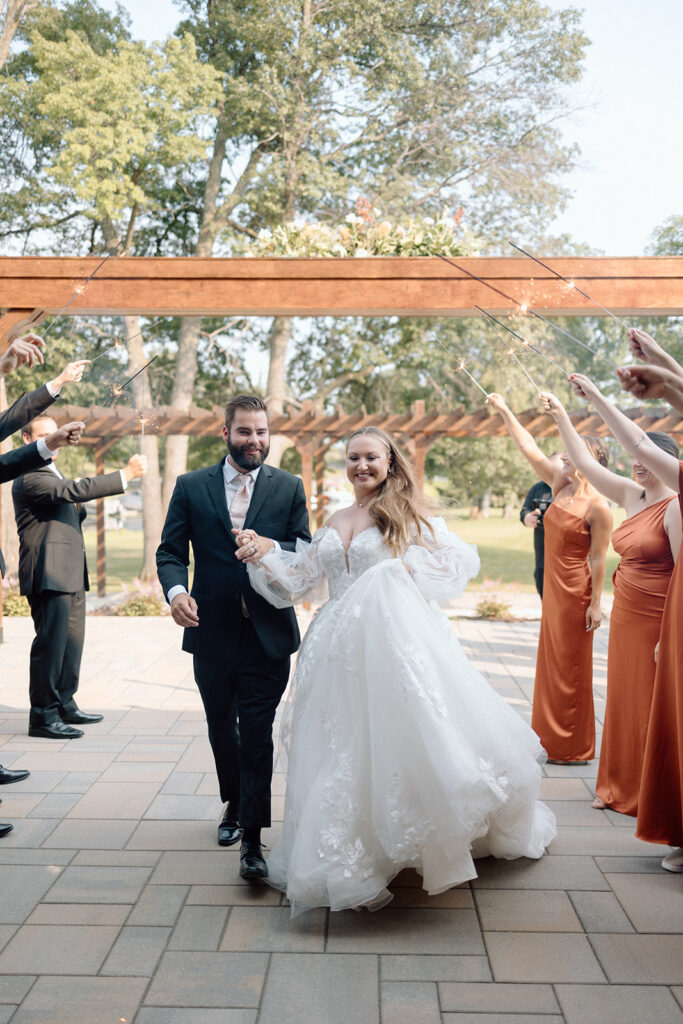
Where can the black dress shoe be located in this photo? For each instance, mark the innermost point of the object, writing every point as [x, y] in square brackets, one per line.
[4, 829]
[252, 865]
[229, 830]
[79, 717]
[55, 731]
[7, 775]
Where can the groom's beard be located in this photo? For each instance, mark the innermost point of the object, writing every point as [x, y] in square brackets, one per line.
[248, 460]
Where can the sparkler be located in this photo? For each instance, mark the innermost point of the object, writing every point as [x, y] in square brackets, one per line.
[572, 285]
[118, 389]
[119, 343]
[511, 352]
[523, 341]
[524, 308]
[80, 289]
[461, 366]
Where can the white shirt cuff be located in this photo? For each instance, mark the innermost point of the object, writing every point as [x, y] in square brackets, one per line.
[123, 479]
[43, 449]
[174, 591]
[52, 389]
[276, 546]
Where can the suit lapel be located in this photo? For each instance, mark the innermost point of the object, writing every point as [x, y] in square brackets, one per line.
[261, 492]
[216, 487]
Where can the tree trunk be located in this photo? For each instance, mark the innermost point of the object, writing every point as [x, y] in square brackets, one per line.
[183, 390]
[213, 219]
[16, 9]
[280, 337]
[151, 482]
[485, 504]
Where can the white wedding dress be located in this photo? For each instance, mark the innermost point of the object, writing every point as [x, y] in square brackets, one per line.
[400, 754]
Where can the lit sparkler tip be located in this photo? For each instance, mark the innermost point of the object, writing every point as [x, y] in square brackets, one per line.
[461, 364]
[509, 351]
[523, 306]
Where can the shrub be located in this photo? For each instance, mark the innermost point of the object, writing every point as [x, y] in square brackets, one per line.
[493, 608]
[143, 599]
[12, 601]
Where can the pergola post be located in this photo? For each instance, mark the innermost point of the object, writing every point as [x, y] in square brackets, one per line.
[101, 449]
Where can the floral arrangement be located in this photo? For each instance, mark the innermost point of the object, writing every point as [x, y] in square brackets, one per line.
[366, 233]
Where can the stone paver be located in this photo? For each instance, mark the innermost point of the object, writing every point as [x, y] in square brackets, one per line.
[117, 904]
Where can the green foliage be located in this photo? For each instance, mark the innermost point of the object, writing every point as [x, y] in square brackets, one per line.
[493, 608]
[13, 603]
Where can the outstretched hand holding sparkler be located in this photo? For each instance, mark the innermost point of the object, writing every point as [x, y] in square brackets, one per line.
[25, 351]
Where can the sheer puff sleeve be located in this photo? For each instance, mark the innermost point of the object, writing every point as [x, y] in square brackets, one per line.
[286, 577]
[442, 568]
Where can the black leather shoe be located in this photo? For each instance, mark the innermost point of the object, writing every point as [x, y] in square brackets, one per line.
[55, 731]
[4, 829]
[79, 717]
[7, 776]
[252, 865]
[229, 830]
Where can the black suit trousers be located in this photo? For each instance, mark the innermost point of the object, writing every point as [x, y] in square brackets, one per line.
[241, 692]
[59, 619]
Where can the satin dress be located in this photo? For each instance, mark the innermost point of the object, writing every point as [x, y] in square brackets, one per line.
[660, 803]
[641, 582]
[562, 713]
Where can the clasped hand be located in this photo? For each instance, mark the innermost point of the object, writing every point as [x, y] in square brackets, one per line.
[250, 547]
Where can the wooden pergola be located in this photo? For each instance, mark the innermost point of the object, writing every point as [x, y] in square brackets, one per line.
[313, 433]
[34, 288]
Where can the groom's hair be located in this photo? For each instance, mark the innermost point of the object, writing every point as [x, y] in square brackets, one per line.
[252, 403]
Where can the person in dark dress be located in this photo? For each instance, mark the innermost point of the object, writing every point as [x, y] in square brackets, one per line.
[531, 515]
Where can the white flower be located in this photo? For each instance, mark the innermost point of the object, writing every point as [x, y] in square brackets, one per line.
[428, 221]
[264, 234]
[352, 219]
[377, 212]
[338, 249]
[361, 252]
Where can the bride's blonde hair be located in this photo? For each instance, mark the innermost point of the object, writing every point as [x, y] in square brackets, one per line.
[396, 507]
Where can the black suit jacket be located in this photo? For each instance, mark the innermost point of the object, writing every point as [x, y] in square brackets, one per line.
[198, 516]
[23, 410]
[51, 550]
[20, 460]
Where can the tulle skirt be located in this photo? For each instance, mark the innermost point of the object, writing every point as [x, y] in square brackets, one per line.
[399, 755]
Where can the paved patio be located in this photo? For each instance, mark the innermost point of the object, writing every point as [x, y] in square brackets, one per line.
[117, 906]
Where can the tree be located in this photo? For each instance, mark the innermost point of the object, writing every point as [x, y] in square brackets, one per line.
[104, 161]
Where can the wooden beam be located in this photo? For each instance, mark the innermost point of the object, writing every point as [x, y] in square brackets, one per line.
[376, 286]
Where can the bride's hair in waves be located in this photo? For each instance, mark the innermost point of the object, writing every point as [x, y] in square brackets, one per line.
[396, 507]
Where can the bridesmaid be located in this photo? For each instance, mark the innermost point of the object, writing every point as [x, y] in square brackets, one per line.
[648, 542]
[578, 525]
[660, 801]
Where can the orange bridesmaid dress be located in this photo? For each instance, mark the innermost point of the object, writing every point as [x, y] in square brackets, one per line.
[562, 713]
[660, 802]
[641, 582]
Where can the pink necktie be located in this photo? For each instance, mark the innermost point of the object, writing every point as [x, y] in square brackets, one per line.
[240, 503]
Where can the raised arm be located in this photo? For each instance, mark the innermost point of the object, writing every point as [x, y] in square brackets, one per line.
[539, 462]
[644, 347]
[631, 437]
[616, 488]
[652, 382]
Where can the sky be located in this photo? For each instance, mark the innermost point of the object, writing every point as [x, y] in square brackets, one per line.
[629, 127]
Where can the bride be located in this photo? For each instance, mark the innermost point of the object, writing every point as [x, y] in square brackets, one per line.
[400, 753]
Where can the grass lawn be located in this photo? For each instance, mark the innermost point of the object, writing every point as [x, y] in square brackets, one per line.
[505, 547]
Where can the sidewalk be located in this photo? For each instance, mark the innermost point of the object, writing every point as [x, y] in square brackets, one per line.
[117, 906]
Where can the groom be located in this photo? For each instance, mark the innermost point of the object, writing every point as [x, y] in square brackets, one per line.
[240, 643]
